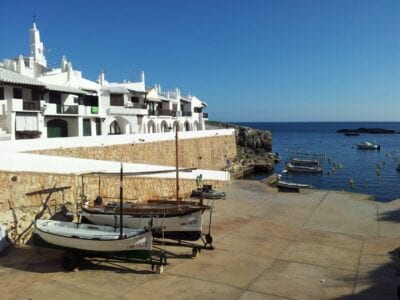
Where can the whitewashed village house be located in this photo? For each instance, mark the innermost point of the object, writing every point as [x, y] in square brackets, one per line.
[41, 102]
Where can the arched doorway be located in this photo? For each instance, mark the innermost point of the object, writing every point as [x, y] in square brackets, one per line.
[176, 123]
[151, 127]
[164, 126]
[187, 126]
[114, 128]
[196, 126]
[57, 128]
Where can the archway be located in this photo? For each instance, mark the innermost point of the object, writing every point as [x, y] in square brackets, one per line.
[176, 123]
[114, 128]
[164, 126]
[187, 126]
[57, 128]
[196, 126]
[151, 127]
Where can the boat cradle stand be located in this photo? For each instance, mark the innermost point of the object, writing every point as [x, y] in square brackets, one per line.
[206, 238]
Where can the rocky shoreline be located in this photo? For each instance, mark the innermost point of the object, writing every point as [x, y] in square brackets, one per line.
[254, 148]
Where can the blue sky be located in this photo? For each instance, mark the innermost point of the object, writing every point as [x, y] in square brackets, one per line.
[282, 60]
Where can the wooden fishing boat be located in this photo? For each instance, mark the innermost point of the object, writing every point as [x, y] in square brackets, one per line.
[293, 185]
[178, 221]
[303, 169]
[304, 162]
[368, 146]
[94, 238]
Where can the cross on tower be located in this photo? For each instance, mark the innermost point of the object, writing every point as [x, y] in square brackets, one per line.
[34, 18]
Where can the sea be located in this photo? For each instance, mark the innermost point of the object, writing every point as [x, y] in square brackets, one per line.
[372, 172]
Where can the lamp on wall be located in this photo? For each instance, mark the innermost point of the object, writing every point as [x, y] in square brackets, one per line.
[43, 108]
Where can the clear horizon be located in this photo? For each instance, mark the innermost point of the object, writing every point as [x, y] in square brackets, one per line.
[265, 61]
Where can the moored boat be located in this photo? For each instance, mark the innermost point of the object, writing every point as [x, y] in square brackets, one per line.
[304, 169]
[305, 162]
[293, 185]
[368, 146]
[351, 133]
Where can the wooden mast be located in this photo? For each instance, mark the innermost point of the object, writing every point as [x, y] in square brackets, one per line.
[176, 161]
[121, 190]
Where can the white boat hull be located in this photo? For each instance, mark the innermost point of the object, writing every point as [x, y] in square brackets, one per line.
[185, 227]
[101, 242]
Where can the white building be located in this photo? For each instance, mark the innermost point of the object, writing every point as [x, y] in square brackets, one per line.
[39, 102]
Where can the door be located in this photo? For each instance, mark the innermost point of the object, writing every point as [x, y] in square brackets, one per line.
[57, 128]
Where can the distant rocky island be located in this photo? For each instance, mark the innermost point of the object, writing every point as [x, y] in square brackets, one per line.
[368, 130]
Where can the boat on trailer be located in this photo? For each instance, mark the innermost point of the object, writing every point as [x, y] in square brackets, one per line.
[176, 220]
[94, 238]
[172, 220]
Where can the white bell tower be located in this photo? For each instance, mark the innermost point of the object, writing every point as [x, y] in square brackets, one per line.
[36, 46]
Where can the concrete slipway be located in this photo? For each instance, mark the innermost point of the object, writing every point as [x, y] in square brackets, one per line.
[313, 245]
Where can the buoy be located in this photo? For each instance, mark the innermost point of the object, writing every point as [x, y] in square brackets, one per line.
[340, 166]
[351, 183]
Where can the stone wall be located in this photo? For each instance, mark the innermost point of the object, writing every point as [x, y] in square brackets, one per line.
[18, 210]
[204, 153]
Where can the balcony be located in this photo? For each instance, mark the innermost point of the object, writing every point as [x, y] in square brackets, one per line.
[205, 115]
[186, 114]
[131, 110]
[31, 105]
[165, 112]
[67, 109]
[135, 105]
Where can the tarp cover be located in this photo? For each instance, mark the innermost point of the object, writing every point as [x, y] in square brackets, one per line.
[4, 243]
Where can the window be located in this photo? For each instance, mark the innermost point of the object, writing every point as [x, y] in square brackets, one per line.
[135, 99]
[198, 109]
[36, 95]
[88, 100]
[17, 93]
[98, 127]
[116, 99]
[1, 93]
[55, 97]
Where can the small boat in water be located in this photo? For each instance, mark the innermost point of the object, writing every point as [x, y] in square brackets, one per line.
[304, 169]
[293, 185]
[368, 146]
[304, 162]
[351, 133]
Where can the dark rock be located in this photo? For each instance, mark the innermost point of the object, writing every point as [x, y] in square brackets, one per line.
[367, 130]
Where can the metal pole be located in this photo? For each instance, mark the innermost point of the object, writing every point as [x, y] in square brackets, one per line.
[121, 190]
[176, 161]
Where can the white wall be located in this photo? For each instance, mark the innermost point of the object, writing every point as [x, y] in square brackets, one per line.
[105, 140]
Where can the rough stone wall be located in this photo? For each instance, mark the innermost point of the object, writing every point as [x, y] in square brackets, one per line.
[204, 153]
[18, 211]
